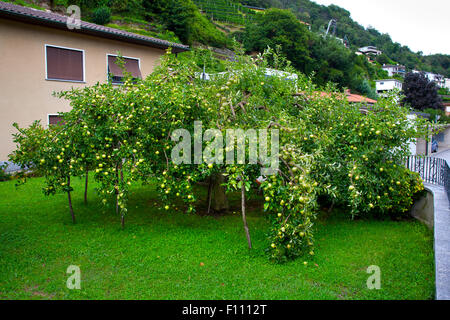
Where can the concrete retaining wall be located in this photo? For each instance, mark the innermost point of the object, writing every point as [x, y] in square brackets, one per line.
[423, 209]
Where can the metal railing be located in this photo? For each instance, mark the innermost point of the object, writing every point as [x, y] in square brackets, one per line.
[447, 179]
[431, 170]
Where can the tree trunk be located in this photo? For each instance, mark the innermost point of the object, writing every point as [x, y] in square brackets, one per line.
[121, 173]
[220, 203]
[244, 218]
[122, 216]
[70, 200]
[210, 184]
[117, 203]
[331, 207]
[86, 186]
[116, 188]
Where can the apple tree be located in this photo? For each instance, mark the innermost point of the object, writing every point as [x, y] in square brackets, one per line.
[125, 134]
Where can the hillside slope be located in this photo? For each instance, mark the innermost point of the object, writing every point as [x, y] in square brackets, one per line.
[173, 20]
[319, 16]
[208, 23]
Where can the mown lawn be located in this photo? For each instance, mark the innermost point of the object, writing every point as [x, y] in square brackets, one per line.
[172, 255]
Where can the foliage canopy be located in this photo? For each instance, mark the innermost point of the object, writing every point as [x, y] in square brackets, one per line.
[328, 147]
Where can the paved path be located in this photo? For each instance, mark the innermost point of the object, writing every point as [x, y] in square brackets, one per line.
[441, 241]
[443, 155]
[441, 234]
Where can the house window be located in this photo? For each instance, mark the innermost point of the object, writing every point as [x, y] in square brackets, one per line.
[54, 119]
[64, 64]
[115, 72]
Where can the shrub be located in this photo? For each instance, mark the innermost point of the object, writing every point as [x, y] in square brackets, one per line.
[365, 89]
[3, 175]
[101, 15]
[443, 91]
[435, 113]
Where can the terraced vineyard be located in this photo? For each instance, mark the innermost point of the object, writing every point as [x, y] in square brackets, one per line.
[226, 11]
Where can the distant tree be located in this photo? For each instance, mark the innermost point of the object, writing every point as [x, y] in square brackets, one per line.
[421, 93]
[177, 15]
[279, 28]
[383, 59]
[185, 20]
[438, 63]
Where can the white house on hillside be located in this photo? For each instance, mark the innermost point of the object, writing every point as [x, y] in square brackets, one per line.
[447, 83]
[435, 77]
[388, 85]
[394, 70]
[438, 78]
[370, 50]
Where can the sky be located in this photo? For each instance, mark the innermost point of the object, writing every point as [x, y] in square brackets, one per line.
[422, 25]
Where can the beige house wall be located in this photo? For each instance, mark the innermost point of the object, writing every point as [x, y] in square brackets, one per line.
[421, 147]
[25, 94]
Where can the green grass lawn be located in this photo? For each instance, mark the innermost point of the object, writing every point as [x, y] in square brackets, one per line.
[172, 255]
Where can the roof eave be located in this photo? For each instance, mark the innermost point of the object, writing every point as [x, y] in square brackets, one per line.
[86, 30]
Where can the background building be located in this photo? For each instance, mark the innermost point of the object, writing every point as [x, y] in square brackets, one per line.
[388, 85]
[370, 50]
[395, 70]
